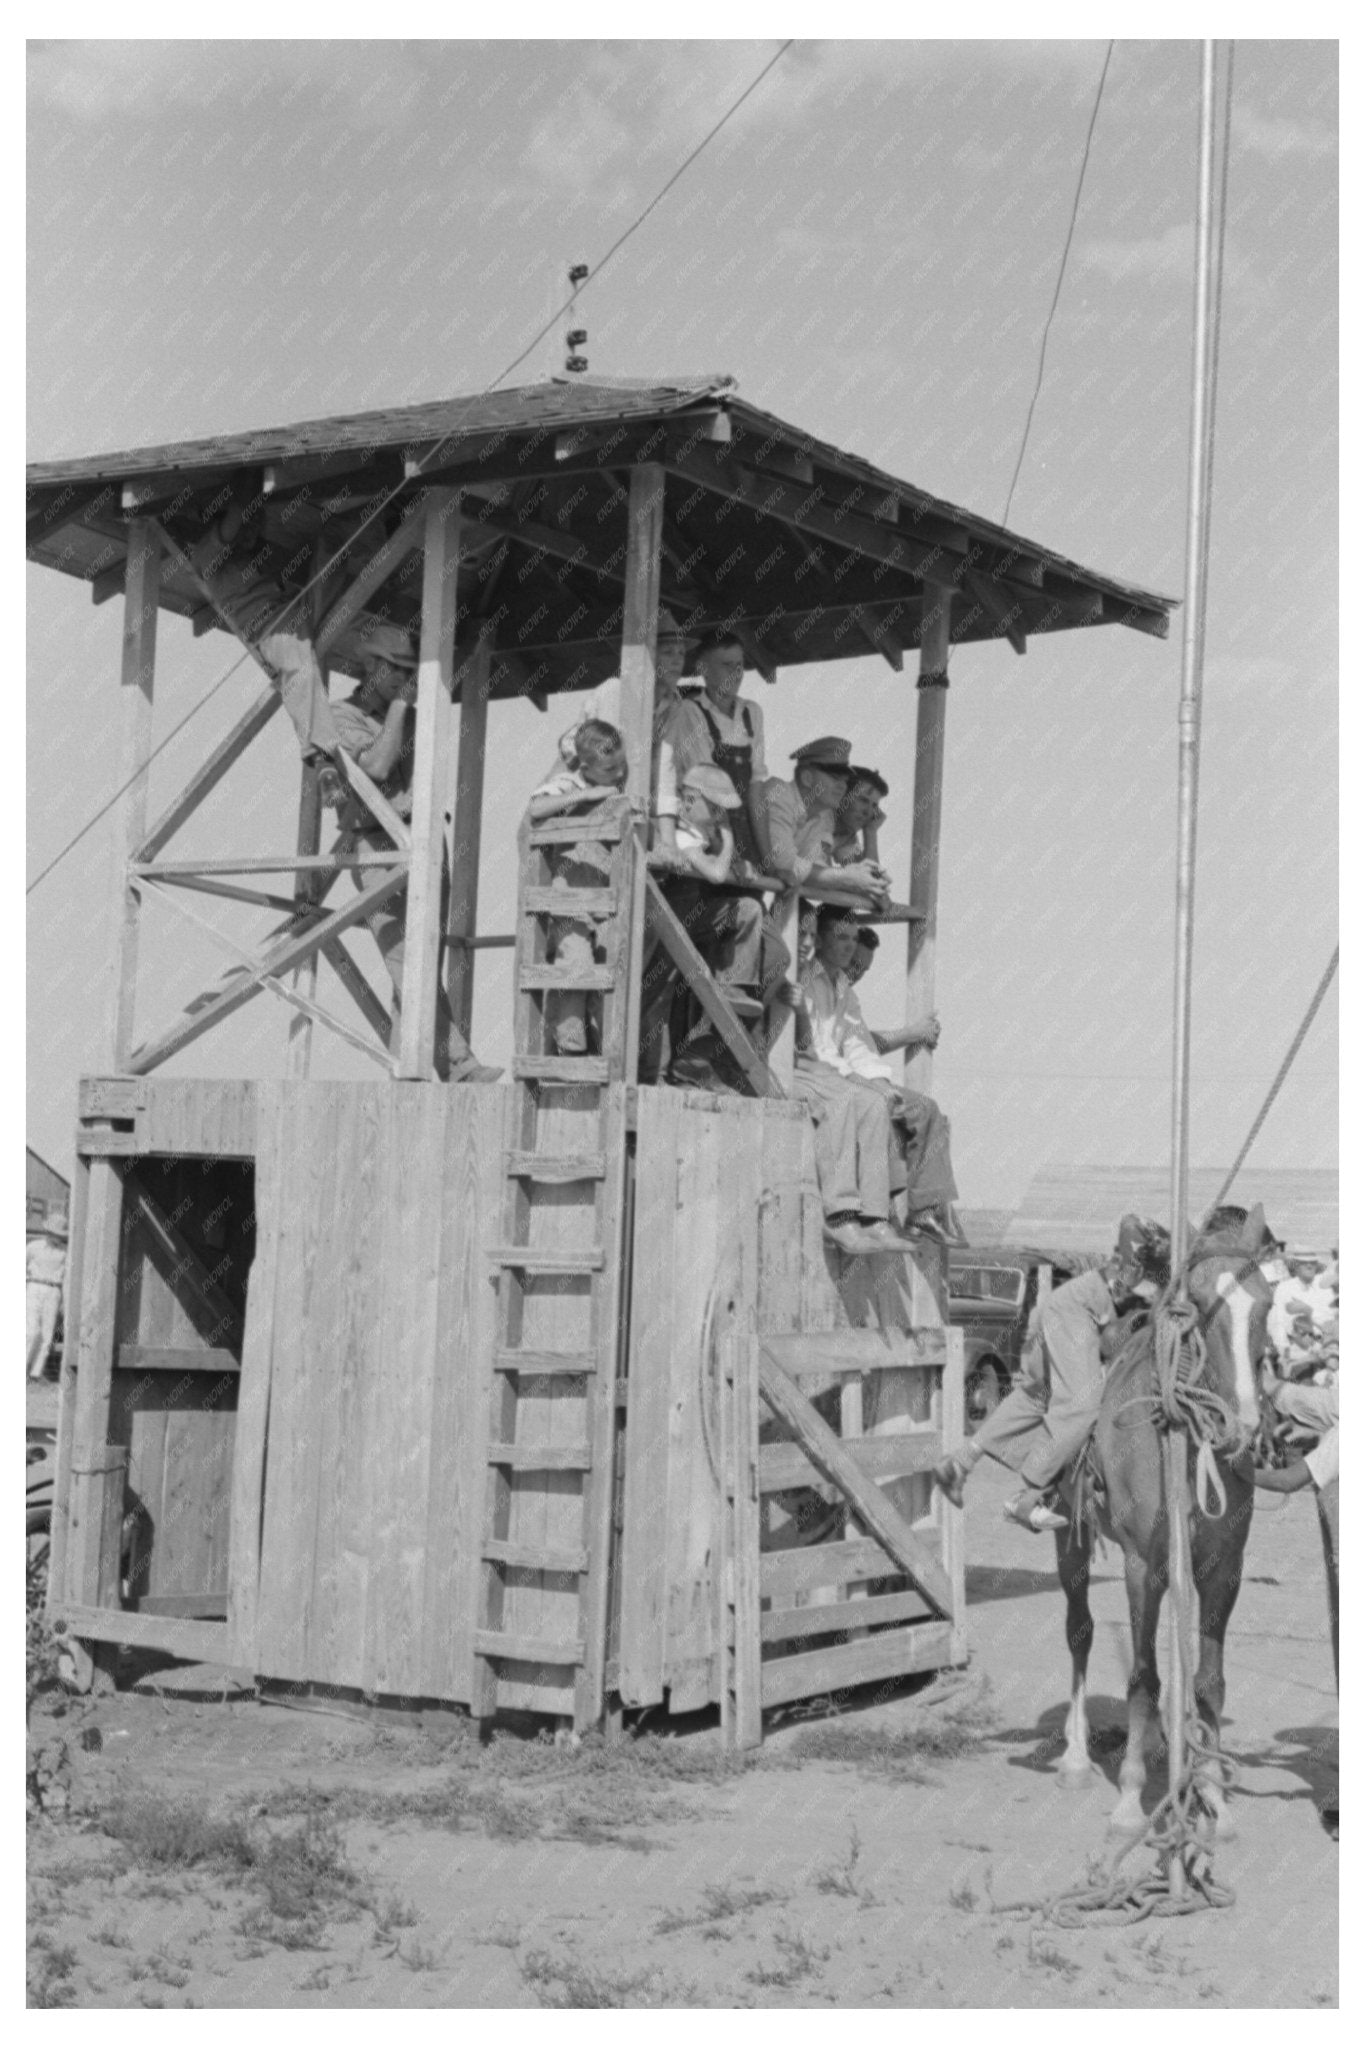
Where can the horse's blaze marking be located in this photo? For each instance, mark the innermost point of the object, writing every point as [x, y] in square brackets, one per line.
[1240, 1303]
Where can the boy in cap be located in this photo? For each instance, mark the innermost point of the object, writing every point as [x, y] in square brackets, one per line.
[595, 769]
[45, 1269]
[1041, 1426]
[373, 727]
[729, 931]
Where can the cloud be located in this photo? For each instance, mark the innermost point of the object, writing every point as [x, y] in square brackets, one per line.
[1167, 257]
[1276, 136]
[375, 83]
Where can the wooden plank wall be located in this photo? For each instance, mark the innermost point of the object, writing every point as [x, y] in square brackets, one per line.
[378, 1385]
[728, 1228]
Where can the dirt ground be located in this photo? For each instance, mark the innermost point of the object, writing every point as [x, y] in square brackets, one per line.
[226, 1853]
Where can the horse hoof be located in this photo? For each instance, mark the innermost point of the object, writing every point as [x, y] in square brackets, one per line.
[1076, 1777]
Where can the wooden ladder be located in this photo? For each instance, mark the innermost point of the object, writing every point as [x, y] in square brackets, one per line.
[540, 1640]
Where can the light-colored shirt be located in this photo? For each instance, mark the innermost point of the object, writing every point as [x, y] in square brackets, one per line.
[1069, 1323]
[830, 1031]
[45, 1261]
[800, 840]
[358, 729]
[605, 703]
[1324, 1462]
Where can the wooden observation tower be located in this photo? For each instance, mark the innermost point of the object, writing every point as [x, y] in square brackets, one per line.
[546, 1394]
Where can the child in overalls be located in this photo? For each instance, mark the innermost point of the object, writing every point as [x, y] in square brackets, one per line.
[595, 769]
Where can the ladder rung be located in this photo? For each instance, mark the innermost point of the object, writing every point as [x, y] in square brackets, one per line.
[542, 1457]
[554, 977]
[547, 1166]
[527, 1649]
[535, 1557]
[506, 1359]
[549, 1258]
[569, 902]
[743, 1006]
[564, 831]
[572, 1072]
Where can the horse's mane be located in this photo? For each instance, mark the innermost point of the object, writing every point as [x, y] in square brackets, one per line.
[1132, 1372]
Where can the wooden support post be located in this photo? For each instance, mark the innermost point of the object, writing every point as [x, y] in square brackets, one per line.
[308, 841]
[139, 662]
[639, 633]
[467, 830]
[82, 1571]
[430, 786]
[930, 725]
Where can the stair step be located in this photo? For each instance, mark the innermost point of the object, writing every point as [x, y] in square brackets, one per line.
[534, 1557]
[569, 902]
[564, 831]
[542, 1457]
[550, 1258]
[547, 1166]
[527, 1649]
[508, 1359]
[555, 977]
[580, 1071]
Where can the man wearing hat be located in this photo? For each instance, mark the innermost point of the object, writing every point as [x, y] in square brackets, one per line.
[604, 704]
[726, 729]
[45, 1269]
[253, 602]
[374, 728]
[798, 821]
[1041, 1426]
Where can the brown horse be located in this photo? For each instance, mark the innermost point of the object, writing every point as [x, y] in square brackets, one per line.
[1230, 1300]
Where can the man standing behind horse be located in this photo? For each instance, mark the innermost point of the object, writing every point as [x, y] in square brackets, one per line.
[1041, 1426]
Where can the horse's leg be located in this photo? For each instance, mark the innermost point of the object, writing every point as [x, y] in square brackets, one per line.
[1217, 1562]
[1144, 1605]
[1074, 1773]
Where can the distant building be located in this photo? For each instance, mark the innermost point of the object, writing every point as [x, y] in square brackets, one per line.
[45, 1185]
[1077, 1207]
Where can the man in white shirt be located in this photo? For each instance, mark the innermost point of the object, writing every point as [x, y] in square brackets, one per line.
[851, 1093]
[45, 1269]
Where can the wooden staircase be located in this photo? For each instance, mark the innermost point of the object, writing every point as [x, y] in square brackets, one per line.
[540, 1643]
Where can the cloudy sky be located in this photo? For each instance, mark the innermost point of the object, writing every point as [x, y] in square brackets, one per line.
[227, 235]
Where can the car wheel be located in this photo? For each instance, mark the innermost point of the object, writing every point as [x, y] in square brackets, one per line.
[982, 1393]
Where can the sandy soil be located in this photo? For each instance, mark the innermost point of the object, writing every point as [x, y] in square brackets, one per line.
[525, 1875]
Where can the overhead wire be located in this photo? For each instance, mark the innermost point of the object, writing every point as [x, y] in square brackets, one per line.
[1061, 274]
[424, 462]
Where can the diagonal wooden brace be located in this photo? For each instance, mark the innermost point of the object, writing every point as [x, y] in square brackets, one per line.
[672, 936]
[288, 952]
[863, 1495]
[215, 1317]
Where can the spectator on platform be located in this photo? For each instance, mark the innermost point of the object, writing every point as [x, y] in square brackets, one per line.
[726, 729]
[859, 819]
[604, 703]
[45, 1270]
[596, 769]
[922, 1036]
[374, 728]
[799, 824]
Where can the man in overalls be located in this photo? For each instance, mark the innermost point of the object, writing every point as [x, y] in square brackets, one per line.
[726, 729]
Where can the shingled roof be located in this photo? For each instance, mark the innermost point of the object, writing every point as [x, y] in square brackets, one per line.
[810, 553]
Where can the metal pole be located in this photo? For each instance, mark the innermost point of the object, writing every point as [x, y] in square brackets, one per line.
[1191, 685]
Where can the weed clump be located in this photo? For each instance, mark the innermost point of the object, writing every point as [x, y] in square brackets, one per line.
[900, 1754]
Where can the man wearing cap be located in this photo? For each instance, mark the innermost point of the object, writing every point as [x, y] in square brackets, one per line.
[45, 1269]
[253, 602]
[726, 729]
[1041, 1426]
[374, 728]
[799, 823]
[604, 703]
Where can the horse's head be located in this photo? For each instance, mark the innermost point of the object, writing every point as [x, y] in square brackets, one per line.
[1233, 1299]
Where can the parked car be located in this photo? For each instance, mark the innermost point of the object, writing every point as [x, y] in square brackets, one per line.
[991, 1296]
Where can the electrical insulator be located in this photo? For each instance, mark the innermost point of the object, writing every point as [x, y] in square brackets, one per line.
[578, 273]
[576, 363]
[577, 338]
